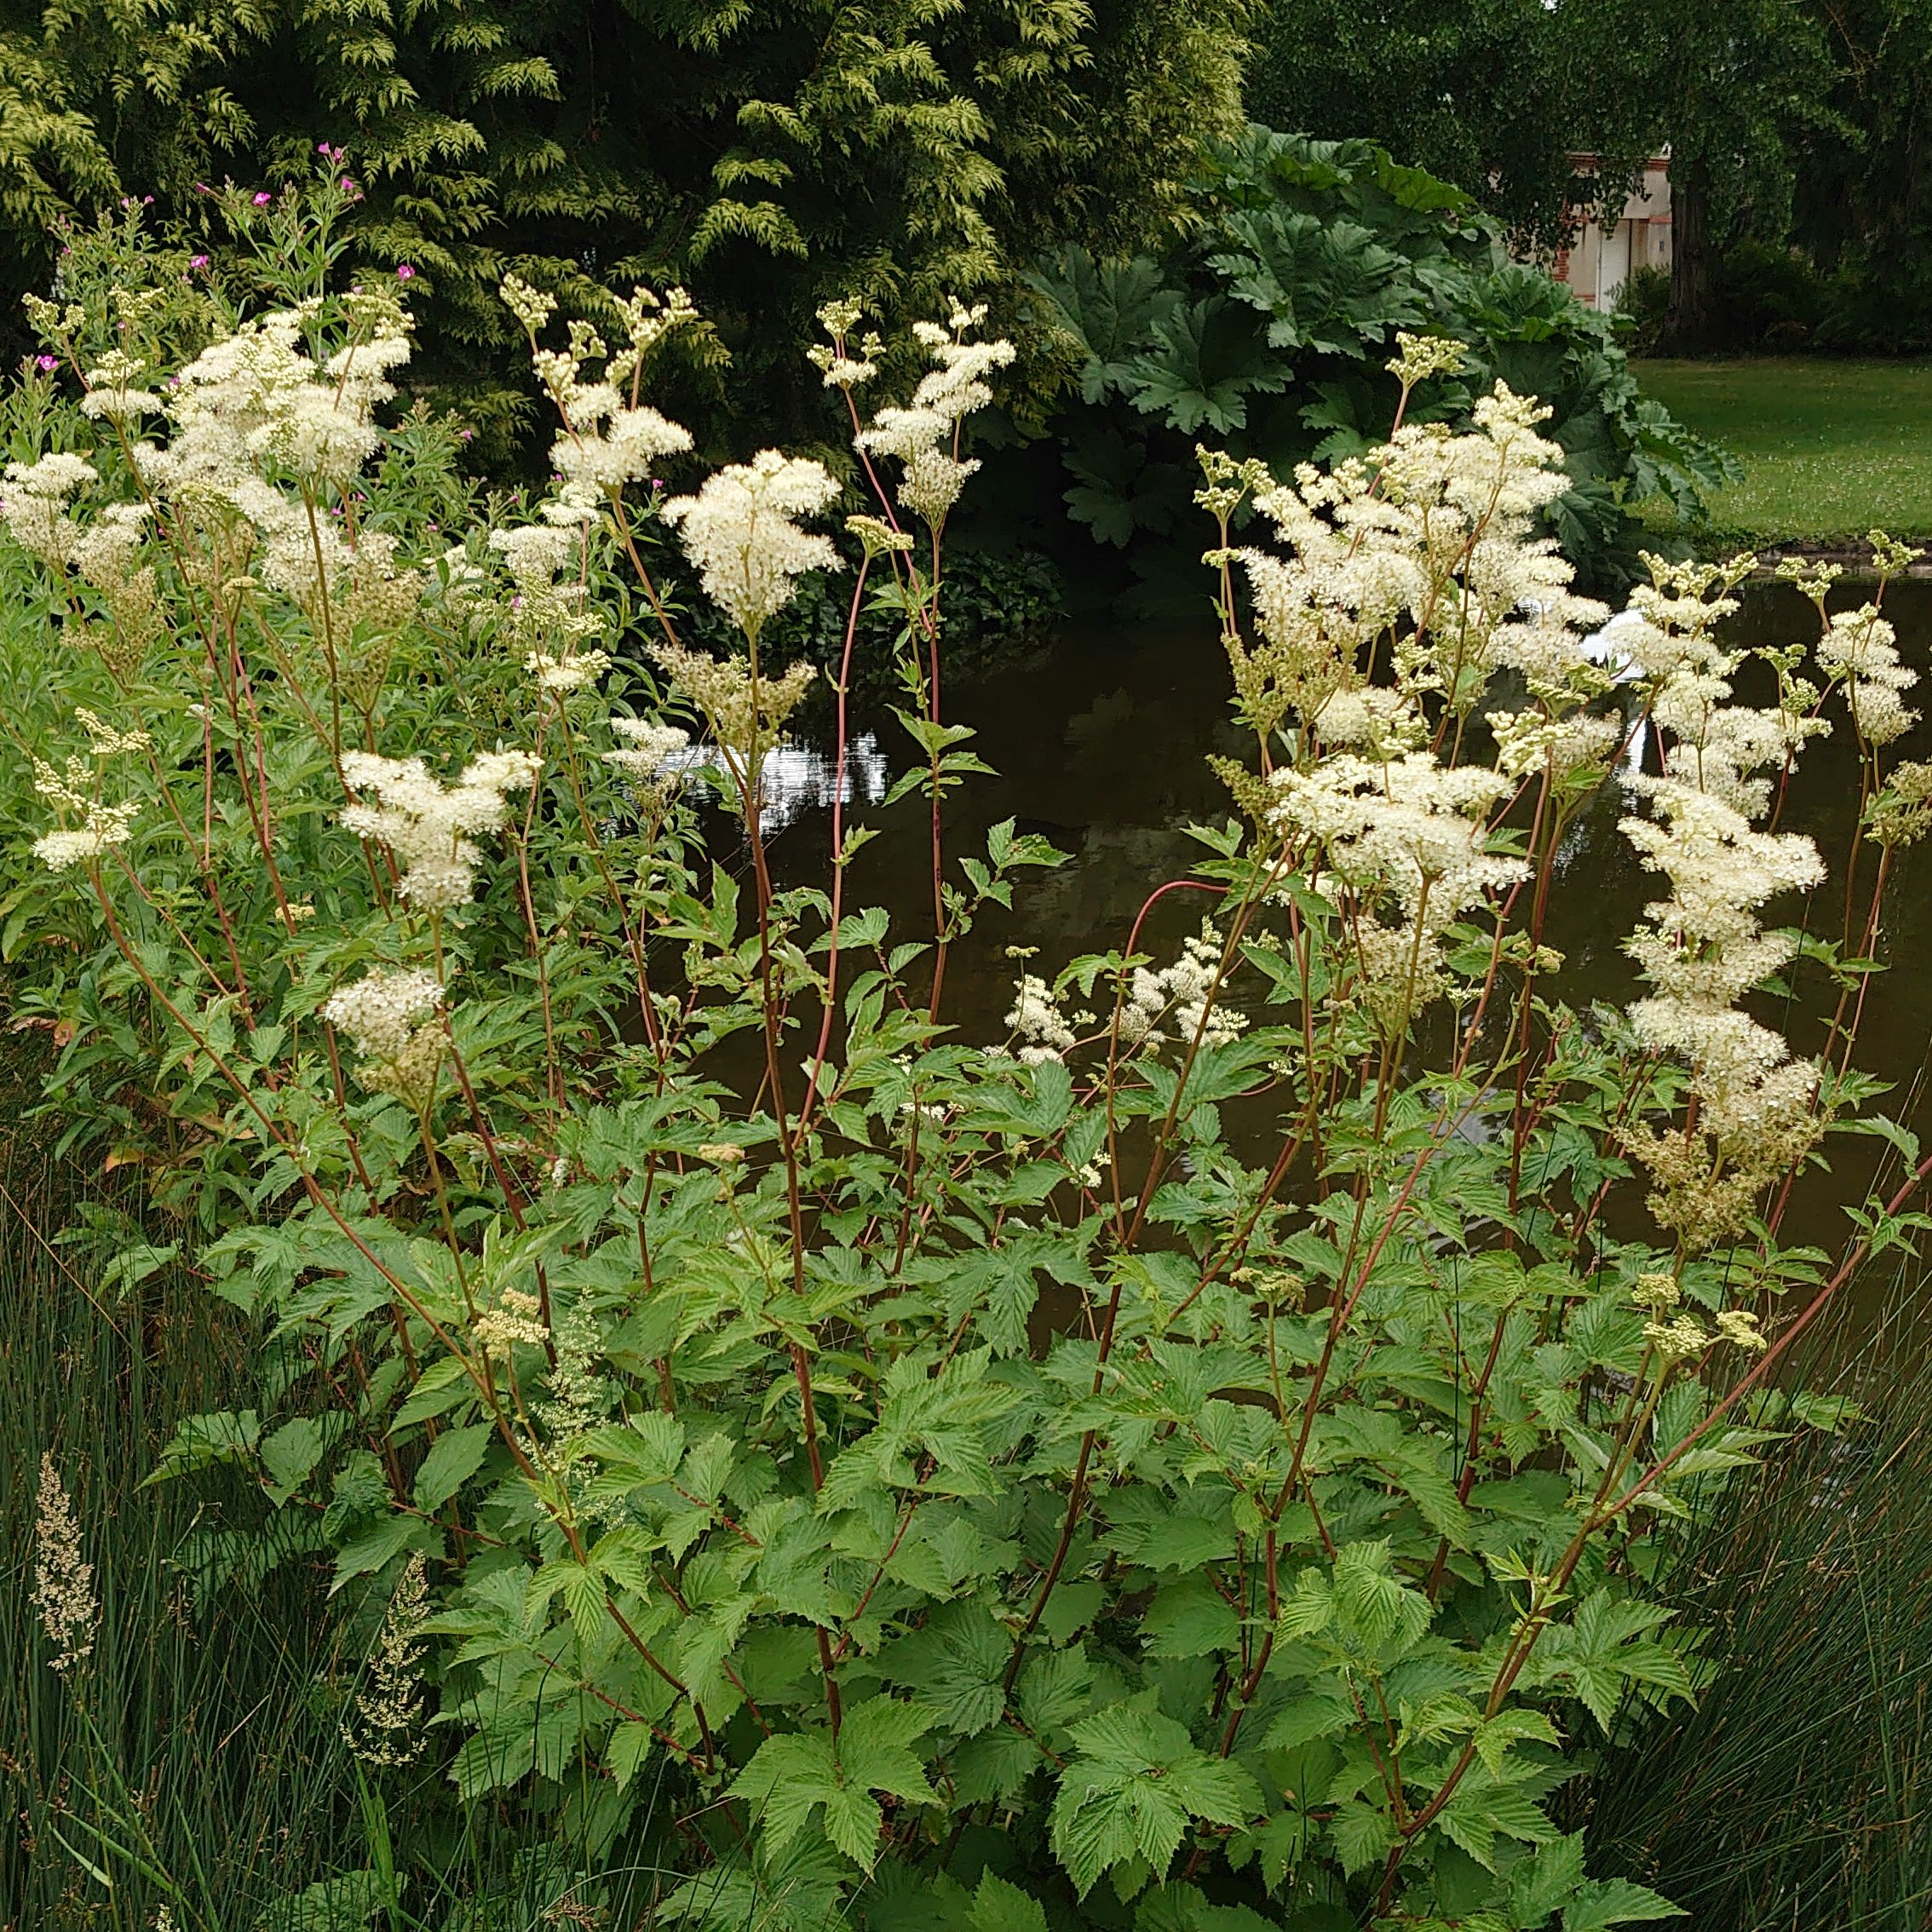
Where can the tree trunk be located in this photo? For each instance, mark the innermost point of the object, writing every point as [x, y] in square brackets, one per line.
[1691, 325]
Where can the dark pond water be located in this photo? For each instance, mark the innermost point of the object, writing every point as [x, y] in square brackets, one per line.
[1100, 742]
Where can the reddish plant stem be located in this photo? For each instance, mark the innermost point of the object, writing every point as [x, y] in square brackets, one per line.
[824, 1046]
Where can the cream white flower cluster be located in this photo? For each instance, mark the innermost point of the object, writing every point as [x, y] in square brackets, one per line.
[1529, 742]
[110, 392]
[1676, 1336]
[738, 530]
[1428, 539]
[840, 367]
[257, 430]
[1860, 647]
[1752, 1109]
[1035, 1020]
[923, 436]
[430, 826]
[104, 827]
[550, 611]
[107, 552]
[257, 396]
[1702, 951]
[1180, 992]
[1407, 835]
[1901, 815]
[648, 745]
[391, 1016]
[649, 757]
[34, 504]
[518, 1317]
[73, 790]
[605, 441]
[1669, 639]
[746, 716]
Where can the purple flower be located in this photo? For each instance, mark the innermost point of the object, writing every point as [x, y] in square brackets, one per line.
[45, 362]
[466, 435]
[264, 198]
[404, 271]
[197, 261]
[656, 482]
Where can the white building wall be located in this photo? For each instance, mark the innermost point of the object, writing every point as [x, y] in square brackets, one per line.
[1599, 261]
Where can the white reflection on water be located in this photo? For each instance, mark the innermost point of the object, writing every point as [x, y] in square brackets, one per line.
[798, 778]
[1610, 645]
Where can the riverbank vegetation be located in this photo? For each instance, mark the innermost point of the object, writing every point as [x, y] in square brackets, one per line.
[640, 1419]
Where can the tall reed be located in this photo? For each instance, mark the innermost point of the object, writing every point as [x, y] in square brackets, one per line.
[192, 1741]
[1798, 1792]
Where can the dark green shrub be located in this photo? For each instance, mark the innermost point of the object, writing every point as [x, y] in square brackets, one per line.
[772, 157]
[1269, 326]
[1643, 304]
[1769, 298]
[1879, 302]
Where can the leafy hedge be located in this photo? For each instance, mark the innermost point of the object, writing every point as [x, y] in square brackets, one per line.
[770, 157]
[1268, 327]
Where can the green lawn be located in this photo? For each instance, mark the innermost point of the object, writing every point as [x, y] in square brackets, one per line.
[1830, 448]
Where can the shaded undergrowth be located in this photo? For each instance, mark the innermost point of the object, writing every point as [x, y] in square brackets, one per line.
[192, 1760]
[195, 1763]
[1798, 1793]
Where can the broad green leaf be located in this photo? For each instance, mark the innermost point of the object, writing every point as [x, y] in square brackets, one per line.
[1604, 1902]
[453, 1459]
[290, 1453]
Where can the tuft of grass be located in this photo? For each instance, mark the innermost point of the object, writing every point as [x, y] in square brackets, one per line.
[197, 1759]
[1829, 447]
[1797, 1797]
[193, 1761]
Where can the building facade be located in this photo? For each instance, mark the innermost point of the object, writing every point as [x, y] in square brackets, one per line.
[1598, 263]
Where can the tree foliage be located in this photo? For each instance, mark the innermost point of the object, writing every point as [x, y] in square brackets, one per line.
[1476, 91]
[771, 157]
[1738, 92]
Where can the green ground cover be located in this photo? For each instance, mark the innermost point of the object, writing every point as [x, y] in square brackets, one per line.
[1830, 448]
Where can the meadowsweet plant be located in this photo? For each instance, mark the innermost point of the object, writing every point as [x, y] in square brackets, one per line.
[847, 1469]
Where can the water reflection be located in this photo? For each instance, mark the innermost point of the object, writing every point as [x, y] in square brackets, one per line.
[1102, 743]
[798, 778]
